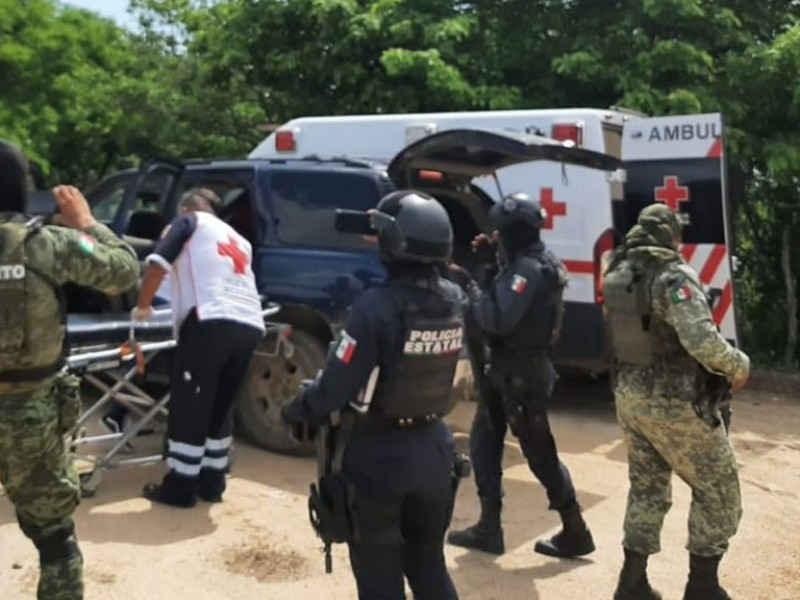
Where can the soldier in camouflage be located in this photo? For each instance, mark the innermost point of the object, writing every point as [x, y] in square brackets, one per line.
[38, 404]
[665, 346]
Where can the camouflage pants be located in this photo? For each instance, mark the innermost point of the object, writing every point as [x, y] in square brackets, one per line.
[38, 477]
[663, 436]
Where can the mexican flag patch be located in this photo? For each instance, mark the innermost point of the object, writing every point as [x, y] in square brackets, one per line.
[519, 284]
[86, 243]
[346, 348]
[681, 294]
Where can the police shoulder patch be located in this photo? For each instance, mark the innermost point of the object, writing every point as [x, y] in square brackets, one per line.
[519, 284]
[346, 348]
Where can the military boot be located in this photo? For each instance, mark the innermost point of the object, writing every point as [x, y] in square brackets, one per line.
[573, 540]
[703, 583]
[633, 584]
[486, 535]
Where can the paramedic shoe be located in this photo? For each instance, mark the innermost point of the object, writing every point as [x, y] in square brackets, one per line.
[211, 485]
[633, 584]
[174, 490]
[573, 540]
[703, 583]
[486, 535]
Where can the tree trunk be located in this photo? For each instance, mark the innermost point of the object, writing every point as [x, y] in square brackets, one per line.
[791, 294]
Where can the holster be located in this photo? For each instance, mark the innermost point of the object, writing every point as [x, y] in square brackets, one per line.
[462, 468]
[331, 509]
[67, 395]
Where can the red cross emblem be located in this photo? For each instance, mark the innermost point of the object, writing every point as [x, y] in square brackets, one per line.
[239, 257]
[554, 209]
[672, 194]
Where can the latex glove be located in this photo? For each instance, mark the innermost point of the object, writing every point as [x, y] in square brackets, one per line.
[140, 315]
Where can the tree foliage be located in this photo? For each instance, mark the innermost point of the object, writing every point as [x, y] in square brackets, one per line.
[196, 78]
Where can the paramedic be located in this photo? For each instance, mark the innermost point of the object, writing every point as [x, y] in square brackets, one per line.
[217, 316]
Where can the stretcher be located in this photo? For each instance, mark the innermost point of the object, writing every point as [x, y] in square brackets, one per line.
[109, 351]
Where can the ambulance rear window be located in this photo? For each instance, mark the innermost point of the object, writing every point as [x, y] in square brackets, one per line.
[305, 202]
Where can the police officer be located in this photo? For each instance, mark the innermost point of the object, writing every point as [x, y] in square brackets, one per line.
[37, 404]
[520, 313]
[665, 343]
[217, 316]
[400, 457]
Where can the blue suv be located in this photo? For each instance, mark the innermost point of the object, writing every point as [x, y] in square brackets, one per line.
[287, 210]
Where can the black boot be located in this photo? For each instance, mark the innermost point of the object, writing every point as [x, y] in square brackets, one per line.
[574, 539]
[633, 584]
[486, 535]
[211, 485]
[174, 490]
[703, 582]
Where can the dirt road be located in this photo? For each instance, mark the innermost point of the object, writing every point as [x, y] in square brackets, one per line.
[258, 544]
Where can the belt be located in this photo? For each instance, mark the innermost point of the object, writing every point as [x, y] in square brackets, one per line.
[378, 422]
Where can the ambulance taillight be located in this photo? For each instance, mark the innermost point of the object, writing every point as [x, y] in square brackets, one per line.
[285, 141]
[568, 132]
[602, 254]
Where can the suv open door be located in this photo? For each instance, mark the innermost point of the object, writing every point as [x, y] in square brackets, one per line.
[463, 154]
[680, 161]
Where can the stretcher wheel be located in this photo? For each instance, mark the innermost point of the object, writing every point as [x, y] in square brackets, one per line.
[89, 481]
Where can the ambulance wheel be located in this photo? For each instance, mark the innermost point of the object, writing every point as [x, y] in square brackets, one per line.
[272, 382]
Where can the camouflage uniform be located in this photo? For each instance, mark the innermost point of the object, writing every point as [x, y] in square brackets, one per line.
[662, 431]
[36, 411]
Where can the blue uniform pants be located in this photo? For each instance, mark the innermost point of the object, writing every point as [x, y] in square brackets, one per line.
[403, 502]
[515, 403]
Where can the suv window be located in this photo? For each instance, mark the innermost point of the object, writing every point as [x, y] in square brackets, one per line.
[305, 206]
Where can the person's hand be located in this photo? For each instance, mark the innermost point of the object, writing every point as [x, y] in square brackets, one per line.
[485, 246]
[740, 382]
[74, 211]
[459, 274]
[140, 314]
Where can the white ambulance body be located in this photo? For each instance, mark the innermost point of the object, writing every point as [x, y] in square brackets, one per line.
[588, 209]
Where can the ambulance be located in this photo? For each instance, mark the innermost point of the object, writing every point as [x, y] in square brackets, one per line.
[677, 160]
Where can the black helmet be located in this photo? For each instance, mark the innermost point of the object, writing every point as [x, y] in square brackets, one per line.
[13, 179]
[515, 208]
[412, 226]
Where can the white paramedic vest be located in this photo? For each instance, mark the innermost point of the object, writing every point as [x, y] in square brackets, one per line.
[213, 275]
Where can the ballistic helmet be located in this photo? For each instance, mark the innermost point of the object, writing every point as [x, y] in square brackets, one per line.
[412, 226]
[514, 208]
[13, 179]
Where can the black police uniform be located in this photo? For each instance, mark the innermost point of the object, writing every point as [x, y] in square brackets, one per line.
[399, 458]
[518, 312]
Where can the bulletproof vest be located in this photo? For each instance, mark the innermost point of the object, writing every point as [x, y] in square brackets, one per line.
[540, 326]
[639, 337]
[420, 383]
[21, 287]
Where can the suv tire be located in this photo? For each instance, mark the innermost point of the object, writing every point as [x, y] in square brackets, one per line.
[272, 382]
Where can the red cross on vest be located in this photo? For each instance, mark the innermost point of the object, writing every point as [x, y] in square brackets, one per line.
[672, 194]
[237, 255]
[553, 208]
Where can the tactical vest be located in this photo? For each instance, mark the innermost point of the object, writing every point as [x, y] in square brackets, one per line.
[420, 384]
[638, 337]
[20, 284]
[540, 326]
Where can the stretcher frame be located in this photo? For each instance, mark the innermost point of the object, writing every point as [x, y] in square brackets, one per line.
[120, 364]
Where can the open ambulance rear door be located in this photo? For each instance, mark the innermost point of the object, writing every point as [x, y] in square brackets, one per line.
[680, 161]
